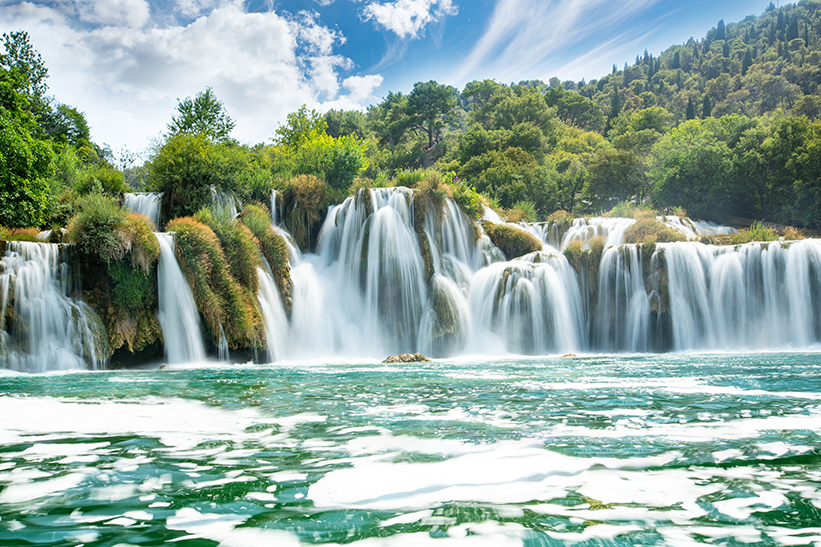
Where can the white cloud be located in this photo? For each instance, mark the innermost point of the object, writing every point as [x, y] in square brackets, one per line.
[360, 93]
[127, 73]
[524, 35]
[408, 18]
[130, 13]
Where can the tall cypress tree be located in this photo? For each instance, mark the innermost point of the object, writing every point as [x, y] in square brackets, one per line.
[615, 104]
[706, 107]
[690, 113]
[771, 35]
[676, 61]
[792, 29]
[720, 31]
[746, 63]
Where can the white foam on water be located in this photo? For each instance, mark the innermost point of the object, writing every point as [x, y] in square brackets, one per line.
[178, 424]
[502, 473]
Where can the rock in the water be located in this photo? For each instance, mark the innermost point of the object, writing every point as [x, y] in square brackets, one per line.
[406, 358]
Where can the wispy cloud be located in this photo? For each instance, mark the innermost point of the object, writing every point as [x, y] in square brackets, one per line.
[408, 18]
[111, 59]
[524, 35]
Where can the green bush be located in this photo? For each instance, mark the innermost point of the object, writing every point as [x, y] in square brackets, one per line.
[96, 227]
[513, 242]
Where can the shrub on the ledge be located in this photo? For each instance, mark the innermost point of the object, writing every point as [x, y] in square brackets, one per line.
[219, 297]
[240, 247]
[650, 230]
[513, 242]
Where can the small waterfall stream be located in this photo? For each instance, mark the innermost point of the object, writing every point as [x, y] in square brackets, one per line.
[147, 204]
[178, 314]
[42, 327]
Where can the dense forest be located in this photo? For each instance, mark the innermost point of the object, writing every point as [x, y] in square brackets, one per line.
[723, 127]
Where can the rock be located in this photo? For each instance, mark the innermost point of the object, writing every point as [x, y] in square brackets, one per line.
[568, 356]
[406, 358]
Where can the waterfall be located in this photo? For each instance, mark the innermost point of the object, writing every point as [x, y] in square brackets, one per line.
[622, 319]
[147, 204]
[276, 323]
[754, 296]
[178, 314]
[396, 271]
[222, 350]
[46, 328]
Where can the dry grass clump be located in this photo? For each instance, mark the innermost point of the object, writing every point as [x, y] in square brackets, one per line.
[221, 299]
[561, 218]
[273, 246]
[18, 234]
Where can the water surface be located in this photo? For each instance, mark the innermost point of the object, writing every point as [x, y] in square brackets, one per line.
[719, 449]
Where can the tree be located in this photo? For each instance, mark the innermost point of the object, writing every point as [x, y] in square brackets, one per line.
[720, 31]
[706, 106]
[690, 113]
[691, 168]
[205, 115]
[428, 109]
[26, 162]
[298, 127]
[67, 125]
[22, 57]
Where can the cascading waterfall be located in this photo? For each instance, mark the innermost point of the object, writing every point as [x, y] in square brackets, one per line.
[147, 204]
[754, 296]
[379, 285]
[622, 311]
[178, 314]
[45, 328]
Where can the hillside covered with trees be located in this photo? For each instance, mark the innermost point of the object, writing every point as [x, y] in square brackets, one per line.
[723, 127]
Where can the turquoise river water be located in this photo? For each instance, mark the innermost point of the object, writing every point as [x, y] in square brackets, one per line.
[718, 449]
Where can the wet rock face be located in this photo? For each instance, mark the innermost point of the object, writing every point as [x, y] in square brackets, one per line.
[406, 358]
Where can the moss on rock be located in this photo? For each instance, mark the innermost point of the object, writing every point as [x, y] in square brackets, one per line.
[512, 241]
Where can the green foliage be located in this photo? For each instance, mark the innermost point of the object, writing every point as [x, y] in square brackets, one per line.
[299, 127]
[220, 298]
[96, 228]
[468, 198]
[188, 167]
[18, 234]
[101, 179]
[101, 228]
[692, 168]
[203, 115]
[512, 241]
[429, 109]
[527, 210]
[25, 161]
[132, 286]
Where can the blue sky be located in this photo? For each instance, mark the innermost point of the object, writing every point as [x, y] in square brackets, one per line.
[126, 62]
